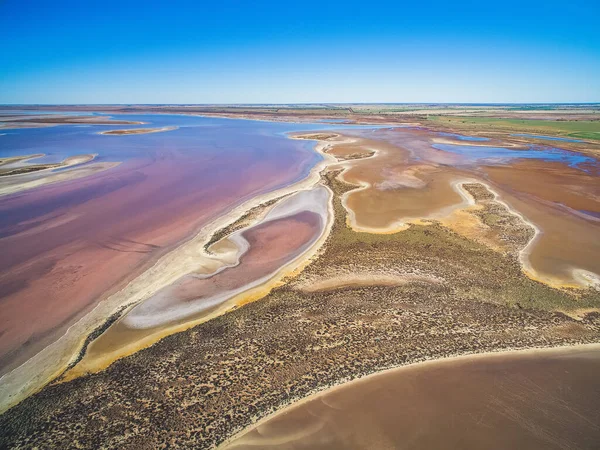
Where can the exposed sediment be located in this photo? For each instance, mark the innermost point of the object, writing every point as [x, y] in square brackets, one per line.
[539, 398]
[254, 258]
[200, 387]
[408, 181]
[16, 175]
[48, 120]
[52, 360]
[367, 302]
[21, 164]
[137, 131]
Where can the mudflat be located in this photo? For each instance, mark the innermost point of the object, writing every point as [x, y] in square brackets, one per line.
[102, 229]
[199, 387]
[433, 243]
[410, 178]
[532, 399]
[8, 121]
[244, 260]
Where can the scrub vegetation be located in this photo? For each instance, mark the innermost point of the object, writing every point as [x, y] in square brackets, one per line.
[197, 388]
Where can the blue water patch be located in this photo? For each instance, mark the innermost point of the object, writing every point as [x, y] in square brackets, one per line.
[497, 154]
[464, 138]
[334, 121]
[594, 214]
[547, 138]
[35, 112]
[194, 135]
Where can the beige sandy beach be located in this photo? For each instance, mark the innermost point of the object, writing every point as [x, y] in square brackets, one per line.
[55, 358]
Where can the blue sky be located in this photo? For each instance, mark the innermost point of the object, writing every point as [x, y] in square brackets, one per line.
[310, 51]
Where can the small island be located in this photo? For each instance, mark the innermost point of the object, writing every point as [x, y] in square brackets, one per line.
[137, 131]
[19, 165]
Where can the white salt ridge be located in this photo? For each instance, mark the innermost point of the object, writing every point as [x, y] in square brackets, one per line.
[160, 309]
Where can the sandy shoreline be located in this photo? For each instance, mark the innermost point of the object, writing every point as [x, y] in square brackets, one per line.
[38, 371]
[11, 183]
[444, 214]
[41, 369]
[19, 159]
[51, 120]
[18, 165]
[422, 364]
[94, 360]
[137, 131]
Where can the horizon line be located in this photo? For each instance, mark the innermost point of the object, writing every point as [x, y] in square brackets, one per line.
[304, 103]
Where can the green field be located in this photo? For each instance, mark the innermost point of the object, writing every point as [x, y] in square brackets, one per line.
[579, 129]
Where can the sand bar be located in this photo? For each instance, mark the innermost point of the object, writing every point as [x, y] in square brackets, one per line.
[410, 178]
[137, 131]
[253, 258]
[48, 120]
[203, 385]
[44, 365]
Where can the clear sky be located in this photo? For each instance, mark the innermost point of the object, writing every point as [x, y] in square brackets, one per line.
[291, 52]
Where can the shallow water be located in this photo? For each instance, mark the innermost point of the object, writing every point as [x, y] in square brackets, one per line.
[546, 138]
[486, 154]
[556, 190]
[196, 135]
[465, 138]
[246, 259]
[590, 213]
[81, 239]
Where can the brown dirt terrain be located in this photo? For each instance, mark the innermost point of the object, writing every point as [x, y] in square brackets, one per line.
[199, 387]
[498, 401]
[369, 302]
